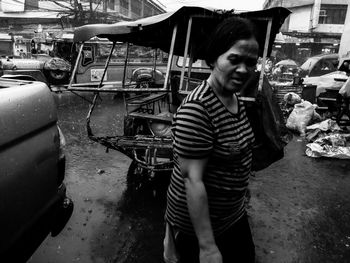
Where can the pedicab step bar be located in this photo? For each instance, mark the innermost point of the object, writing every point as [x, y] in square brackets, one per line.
[134, 142]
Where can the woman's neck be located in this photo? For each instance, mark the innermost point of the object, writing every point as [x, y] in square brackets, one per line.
[218, 89]
[226, 97]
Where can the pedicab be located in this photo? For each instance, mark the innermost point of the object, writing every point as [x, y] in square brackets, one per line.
[149, 108]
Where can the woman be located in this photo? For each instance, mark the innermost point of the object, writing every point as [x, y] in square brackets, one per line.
[205, 215]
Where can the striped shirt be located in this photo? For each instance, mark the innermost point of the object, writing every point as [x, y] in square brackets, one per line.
[204, 128]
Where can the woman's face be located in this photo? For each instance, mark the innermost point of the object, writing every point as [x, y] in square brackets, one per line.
[234, 67]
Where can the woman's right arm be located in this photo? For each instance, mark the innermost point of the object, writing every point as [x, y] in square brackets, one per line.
[197, 202]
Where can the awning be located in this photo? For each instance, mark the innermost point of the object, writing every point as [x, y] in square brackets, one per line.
[156, 31]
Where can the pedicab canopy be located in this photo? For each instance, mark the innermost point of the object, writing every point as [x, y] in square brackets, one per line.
[157, 31]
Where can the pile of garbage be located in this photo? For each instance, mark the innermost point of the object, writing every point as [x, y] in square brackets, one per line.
[325, 137]
[299, 113]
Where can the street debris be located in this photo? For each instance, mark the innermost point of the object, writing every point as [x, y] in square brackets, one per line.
[301, 116]
[100, 171]
[327, 139]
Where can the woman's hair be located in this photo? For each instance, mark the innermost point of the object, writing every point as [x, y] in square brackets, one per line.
[226, 34]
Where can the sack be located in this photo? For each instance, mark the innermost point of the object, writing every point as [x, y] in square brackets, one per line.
[268, 124]
[301, 117]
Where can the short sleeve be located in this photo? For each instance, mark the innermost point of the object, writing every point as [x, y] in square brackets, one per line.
[192, 131]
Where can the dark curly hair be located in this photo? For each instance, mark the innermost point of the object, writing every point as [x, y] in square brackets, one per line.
[226, 34]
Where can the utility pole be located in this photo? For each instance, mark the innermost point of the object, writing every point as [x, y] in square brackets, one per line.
[315, 14]
[344, 47]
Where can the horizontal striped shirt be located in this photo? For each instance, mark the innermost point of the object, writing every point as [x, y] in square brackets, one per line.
[204, 128]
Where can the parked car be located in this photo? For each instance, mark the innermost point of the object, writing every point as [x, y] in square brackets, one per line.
[33, 200]
[319, 65]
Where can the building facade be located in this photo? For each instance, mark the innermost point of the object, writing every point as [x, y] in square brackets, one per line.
[26, 20]
[314, 27]
[134, 9]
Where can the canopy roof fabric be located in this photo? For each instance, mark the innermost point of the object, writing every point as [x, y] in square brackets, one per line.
[156, 31]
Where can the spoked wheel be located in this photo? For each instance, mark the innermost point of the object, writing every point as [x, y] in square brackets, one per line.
[139, 180]
[136, 177]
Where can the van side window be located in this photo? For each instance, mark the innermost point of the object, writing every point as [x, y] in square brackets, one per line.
[87, 55]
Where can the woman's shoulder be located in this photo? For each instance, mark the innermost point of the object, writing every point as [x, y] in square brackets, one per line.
[195, 102]
[200, 94]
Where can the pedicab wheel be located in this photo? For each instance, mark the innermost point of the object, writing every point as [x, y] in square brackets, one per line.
[136, 177]
[140, 180]
[62, 216]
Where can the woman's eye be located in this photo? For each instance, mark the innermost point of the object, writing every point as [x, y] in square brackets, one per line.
[235, 60]
[250, 62]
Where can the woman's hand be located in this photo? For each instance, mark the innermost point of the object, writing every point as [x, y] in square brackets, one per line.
[210, 255]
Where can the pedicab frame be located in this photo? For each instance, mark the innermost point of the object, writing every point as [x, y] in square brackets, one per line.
[179, 33]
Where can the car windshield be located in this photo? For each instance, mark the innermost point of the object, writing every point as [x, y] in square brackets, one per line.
[308, 63]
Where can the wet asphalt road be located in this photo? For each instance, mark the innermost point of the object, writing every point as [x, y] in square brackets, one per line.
[299, 208]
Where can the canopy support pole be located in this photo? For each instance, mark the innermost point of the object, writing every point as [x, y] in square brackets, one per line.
[170, 59]
[154, 64]
[189, 70]
[106, 65]
[188, 35]
[92, 105]
[266, 47]
[125, 64]
[75, 66]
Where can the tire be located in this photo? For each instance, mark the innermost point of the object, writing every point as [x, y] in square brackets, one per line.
[140, 182]
[136, 177]
[57, 76]
[64, 213]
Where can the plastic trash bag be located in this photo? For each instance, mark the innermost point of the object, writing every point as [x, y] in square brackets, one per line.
[301, 116]
[321, 129]
[266, 119]
[326, 125]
